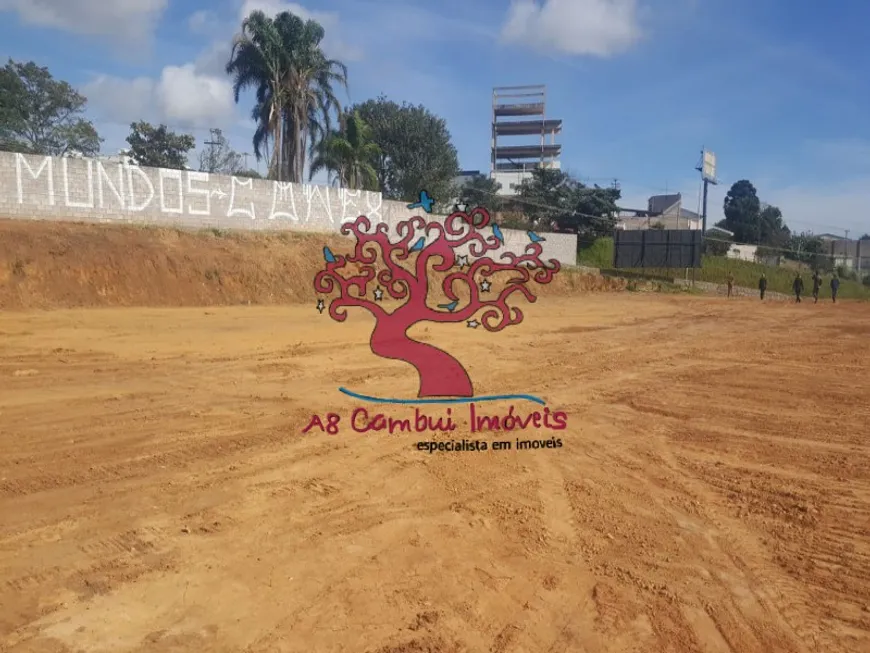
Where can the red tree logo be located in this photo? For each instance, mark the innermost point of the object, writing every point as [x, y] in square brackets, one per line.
[434, 250]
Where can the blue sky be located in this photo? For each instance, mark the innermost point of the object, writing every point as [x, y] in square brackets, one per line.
[777, 89]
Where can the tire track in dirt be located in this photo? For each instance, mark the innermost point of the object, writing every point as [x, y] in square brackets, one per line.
[752, 581]
[623, 541]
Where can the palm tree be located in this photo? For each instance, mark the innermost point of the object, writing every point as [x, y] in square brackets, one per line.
[258, 60]
[349, 155]
[281, 59]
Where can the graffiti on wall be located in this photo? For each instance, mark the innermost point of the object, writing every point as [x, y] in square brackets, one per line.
[89, 184]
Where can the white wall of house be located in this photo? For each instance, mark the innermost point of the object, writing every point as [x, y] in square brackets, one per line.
[743, 252]
[667, 221]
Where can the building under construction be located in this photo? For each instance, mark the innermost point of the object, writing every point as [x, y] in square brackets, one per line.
[520, 111]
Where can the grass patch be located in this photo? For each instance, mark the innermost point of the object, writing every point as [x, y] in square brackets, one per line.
[597, 255]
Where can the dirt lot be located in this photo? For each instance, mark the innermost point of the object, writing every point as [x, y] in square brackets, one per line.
[712, 493]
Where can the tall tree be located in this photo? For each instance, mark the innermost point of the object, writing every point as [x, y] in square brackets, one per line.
[546, 195]
[158, 147]
[220, 157]
[282, 60]
[481, 190]
[416, 151]
[594, 211]
[553, 197]
[742, 209]
[349, 155]
[41, 115]
[773, 232]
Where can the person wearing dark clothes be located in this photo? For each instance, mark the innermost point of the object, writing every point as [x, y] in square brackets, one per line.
[730, 281]
[835, 286]
[762, 285]
[817, 284]
[798, 287]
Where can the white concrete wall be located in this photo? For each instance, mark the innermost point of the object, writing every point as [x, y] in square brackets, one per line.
[743, 252]
[89, 190]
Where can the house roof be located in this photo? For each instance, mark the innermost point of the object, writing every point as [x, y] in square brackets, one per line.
[668, 205]
[720, 230]
[661, 203]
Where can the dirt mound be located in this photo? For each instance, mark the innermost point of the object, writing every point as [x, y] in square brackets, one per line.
[62, 265]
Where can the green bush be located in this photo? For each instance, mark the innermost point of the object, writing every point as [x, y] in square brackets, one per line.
[598, 254]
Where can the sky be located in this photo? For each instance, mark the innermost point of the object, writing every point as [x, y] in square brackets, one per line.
[776, 88]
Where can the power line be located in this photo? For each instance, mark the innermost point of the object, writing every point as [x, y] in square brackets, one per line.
[632, 183]
[647, 186]
[592, 190]
[601, 219]
[723, 183]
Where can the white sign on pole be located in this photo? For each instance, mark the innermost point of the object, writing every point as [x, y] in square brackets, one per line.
[709, 166]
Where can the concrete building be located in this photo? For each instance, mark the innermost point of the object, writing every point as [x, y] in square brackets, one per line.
[851, 254]
[662, 212]
[521, 111]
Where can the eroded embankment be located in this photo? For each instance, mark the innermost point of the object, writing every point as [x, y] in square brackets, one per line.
[47, 265]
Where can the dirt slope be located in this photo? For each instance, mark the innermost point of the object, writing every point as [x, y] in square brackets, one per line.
[57, 265]
[712, 494]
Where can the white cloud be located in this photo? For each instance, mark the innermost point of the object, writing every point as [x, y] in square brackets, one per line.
[574, 27]
[334, 43]
[126, 21]
[213, 60]
[203, 21]
[189, 98]
[181, 97]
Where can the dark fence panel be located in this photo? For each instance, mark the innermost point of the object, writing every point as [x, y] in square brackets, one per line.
[657, 248]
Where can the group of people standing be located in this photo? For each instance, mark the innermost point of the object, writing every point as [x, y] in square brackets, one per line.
[797, 286]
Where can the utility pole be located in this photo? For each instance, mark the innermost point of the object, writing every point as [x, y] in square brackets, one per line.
[215, 135]
[846, 248]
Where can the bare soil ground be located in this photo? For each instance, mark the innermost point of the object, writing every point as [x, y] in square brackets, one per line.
[47, 265]
[712, 493]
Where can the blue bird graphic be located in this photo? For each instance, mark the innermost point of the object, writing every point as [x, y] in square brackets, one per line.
[451, 306]
[425, 202]
[498, 233]
[416, 247]
[328, 255]
[535, 238]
